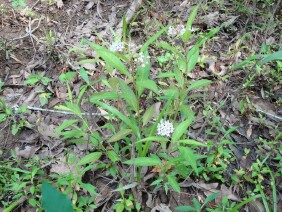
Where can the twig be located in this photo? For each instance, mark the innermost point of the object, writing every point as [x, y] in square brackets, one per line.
[270, 115]
[135, 6]
[63, 112]
[29, 31]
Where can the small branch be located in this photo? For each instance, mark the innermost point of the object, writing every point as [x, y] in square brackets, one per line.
[135, 6]
[63, 112]
[270, 115]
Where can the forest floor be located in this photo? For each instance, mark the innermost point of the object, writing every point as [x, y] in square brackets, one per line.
[238, 114]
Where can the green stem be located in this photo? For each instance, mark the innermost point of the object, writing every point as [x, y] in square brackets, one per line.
[236, 208]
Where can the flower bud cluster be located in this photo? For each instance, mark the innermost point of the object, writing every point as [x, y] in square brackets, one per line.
[117, 47]
[142, 60]
[176, 30]
[165, 128]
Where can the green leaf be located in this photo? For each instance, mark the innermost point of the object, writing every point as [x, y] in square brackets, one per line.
[191, 142]
[198, 84]
[166, 46]
[77, 140]
[72, 133]
[173, 183]
[120, 135]
[63, 126]
[33, 79]
[45, 80]
[128, 95]
[232, 129]
[187, 34]
[82, 62]
[89, 187]
[171, 94]
[67, 76]
[153, 38]
[142, 73]
[144, 161]
[186, 112]
[274, 56]
[104, 95]
[211, 197]
[122, 117]
[192, 59]
[84, 75]
[207, 36]
[153, 138]
[196, 204]
[74, 108]
[90, 158]
[243, 63]
[53, 200]
[181, 129]
[124, 28]
[149, 84]
[109, 57]
[119, 207]
[148, 115]
[185, 208]
[190, 157]
[166, 75]
[113, 156]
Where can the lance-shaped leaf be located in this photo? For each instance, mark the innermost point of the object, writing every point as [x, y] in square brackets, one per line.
[144, 161]
[128, 95]
[90, 158]
[181, 129]
[189, 157]
[198, 84]
[109, 57]
[120, 135]
[153, 38]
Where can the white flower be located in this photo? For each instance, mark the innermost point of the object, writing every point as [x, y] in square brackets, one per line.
[165, 128]
[142, 60]
[117, 47]
[177, 30]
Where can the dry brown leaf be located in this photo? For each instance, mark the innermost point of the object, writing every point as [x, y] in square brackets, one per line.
[46, 129]
[61, 167]
[226, 192]
[161, 208]
[211, 19]
[26, 153]
[249, 131]
[149, 202]
[89, 66]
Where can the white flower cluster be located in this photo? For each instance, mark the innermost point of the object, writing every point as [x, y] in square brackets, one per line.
[165, 128]
[177, 30]
[117, 47]
[142, 59]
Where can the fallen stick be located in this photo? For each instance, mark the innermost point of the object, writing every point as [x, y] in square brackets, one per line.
[135, 6]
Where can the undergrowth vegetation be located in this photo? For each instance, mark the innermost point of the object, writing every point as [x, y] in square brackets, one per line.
[147, 104]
